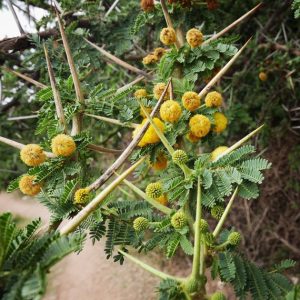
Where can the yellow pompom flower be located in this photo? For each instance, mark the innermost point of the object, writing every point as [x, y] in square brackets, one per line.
[148, 109]
[32, 155]
[140, 93]
[158, 90]
[81, 196]
[159, 52]
[150, 59]
[192, 138]
[194, 37]
[168, 36]
[220, 122]
[170, 111]
[150, 137]
[190, 101]
[217, 152]
[199, 125]
[163, 200]
[160, 163]
[262, 76]
[213, 99]
[28, 187]
[63, 145]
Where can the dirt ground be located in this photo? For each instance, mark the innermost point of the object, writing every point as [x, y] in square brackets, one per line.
[90, 275]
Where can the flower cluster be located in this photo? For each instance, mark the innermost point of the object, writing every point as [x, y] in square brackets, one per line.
[28, 186]
[32, 155]
[154, 56]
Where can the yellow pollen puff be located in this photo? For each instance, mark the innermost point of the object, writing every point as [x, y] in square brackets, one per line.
[81, 196]
[148, 109]
[168, 36]
[213, 99]
[192, 138]
[63, 145]
[140, 93]
[28, 187]
[170, 111]
[194, 37]
[218, 151]
[263, 76]
[158, 90]
[159, 52]
[220, 122]
[163, 199]
[199, 125]
[160, 163]
[32, 155]
[190, 101]
[150, 137]
[150, 59]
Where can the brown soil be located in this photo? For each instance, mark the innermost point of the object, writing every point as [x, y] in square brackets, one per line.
[89, 275]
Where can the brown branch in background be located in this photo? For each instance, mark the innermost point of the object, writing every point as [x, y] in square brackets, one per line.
[122, 158]
[280, 47]
[56, 93]
[98, 148]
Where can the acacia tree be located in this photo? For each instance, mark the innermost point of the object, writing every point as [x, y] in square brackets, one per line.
[182, 191]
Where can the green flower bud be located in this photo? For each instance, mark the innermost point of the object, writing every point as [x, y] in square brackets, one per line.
[234, 238]
[217, 212]
[154, 190]
[180, 157]
[140, 224]
[203, 226]
[209, 239]
[179, 220]
[191, 285]
[218, 296]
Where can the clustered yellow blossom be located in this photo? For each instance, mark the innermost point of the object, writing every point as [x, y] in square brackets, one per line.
[192, 138]
[263, 76]
[199, 125]
[220, 122]
[150, 137]
[32, 155]
[168, 36]
[63, 145]
[147, 5]
[217, 152]
[213, 99]
[163, 200]
[150, 59]
[190, 101]
[158, 90]
[194, 37]
[160, 163]
[170, 111]
[28, 187]
[81, 196]
[159, 52]
[140, 93]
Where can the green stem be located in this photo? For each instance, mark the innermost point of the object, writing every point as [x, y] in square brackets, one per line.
[225, 214]
[150, 269]
[222, 246]
[197, 243]
[154, 203]
[202, 259]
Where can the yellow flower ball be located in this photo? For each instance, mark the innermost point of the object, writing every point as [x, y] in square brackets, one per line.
[81, 196]
[213, 99]
[28, 187]
[190, 101]
[150, 59]
[63, 145]
[170, 111]
[148, 109]
[159, 52]
[140, 93]
[160, 163]
[168, 36]
[150, 137]
[194, 37]
[199, 125]
[220, 122]
[163, 199]
[158, 90]
[218, 151]
[192, 138]
[33, 155]
[262, 76]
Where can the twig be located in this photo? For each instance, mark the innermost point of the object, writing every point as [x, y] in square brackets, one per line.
[112, 121]
[12, 10]
[207, 88]
[111, 8]
[121, 159]
[103, 149]
[117, 60]
[22, 118]
[56, 94]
